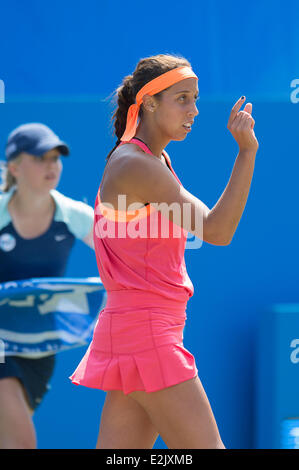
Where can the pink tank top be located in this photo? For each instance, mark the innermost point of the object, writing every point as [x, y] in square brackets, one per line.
[141, 249]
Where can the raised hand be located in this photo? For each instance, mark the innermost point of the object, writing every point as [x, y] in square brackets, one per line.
[241, 125]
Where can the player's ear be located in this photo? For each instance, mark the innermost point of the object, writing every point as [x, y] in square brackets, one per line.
[13, 167]
[149, 103]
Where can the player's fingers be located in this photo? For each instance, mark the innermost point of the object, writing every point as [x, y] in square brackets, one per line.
[235, 124]
[245, 123]
[235, 109]
[248, 108]
[242, 121]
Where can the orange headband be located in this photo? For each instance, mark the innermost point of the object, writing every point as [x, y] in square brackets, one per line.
[151, 88]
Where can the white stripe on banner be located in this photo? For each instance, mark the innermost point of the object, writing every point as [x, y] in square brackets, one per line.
[39, 337]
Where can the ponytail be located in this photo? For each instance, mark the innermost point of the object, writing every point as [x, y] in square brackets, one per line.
[125, 97]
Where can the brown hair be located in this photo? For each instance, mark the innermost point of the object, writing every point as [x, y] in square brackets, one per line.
[146, 70]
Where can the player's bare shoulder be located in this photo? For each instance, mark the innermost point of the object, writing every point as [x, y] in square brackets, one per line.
[141, 176]
[130, 164]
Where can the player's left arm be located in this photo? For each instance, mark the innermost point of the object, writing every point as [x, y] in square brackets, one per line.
[88, 239]
[82, 222]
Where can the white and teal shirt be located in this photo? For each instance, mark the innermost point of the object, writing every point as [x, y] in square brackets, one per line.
[47, 254]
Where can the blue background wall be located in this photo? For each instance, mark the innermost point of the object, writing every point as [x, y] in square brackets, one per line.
[59, 63]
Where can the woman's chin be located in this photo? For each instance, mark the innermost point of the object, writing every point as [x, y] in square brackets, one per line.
[180, 138]
[51, 183]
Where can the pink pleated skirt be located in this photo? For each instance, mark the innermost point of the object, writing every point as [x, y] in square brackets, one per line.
[137, 345]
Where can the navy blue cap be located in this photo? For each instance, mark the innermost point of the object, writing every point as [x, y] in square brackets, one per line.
[33, 138]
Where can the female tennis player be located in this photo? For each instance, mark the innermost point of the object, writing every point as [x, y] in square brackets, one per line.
[137, 354]
[38, 226]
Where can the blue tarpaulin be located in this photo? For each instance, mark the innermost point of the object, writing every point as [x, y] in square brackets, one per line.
[44, 316]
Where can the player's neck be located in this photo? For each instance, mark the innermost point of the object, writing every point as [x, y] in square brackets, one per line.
[155, 142]
[27, 201]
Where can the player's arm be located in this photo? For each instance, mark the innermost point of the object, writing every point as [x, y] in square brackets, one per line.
[154, 183]
[88, 239]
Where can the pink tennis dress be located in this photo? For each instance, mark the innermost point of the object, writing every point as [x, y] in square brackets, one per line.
[138, 339]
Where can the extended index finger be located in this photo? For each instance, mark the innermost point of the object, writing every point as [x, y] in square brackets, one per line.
[236, 108]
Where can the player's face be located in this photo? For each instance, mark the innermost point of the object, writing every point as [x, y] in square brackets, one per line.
[39, 173]
[177, 109]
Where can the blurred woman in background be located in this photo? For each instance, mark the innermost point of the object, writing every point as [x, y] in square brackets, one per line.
[38, 227]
